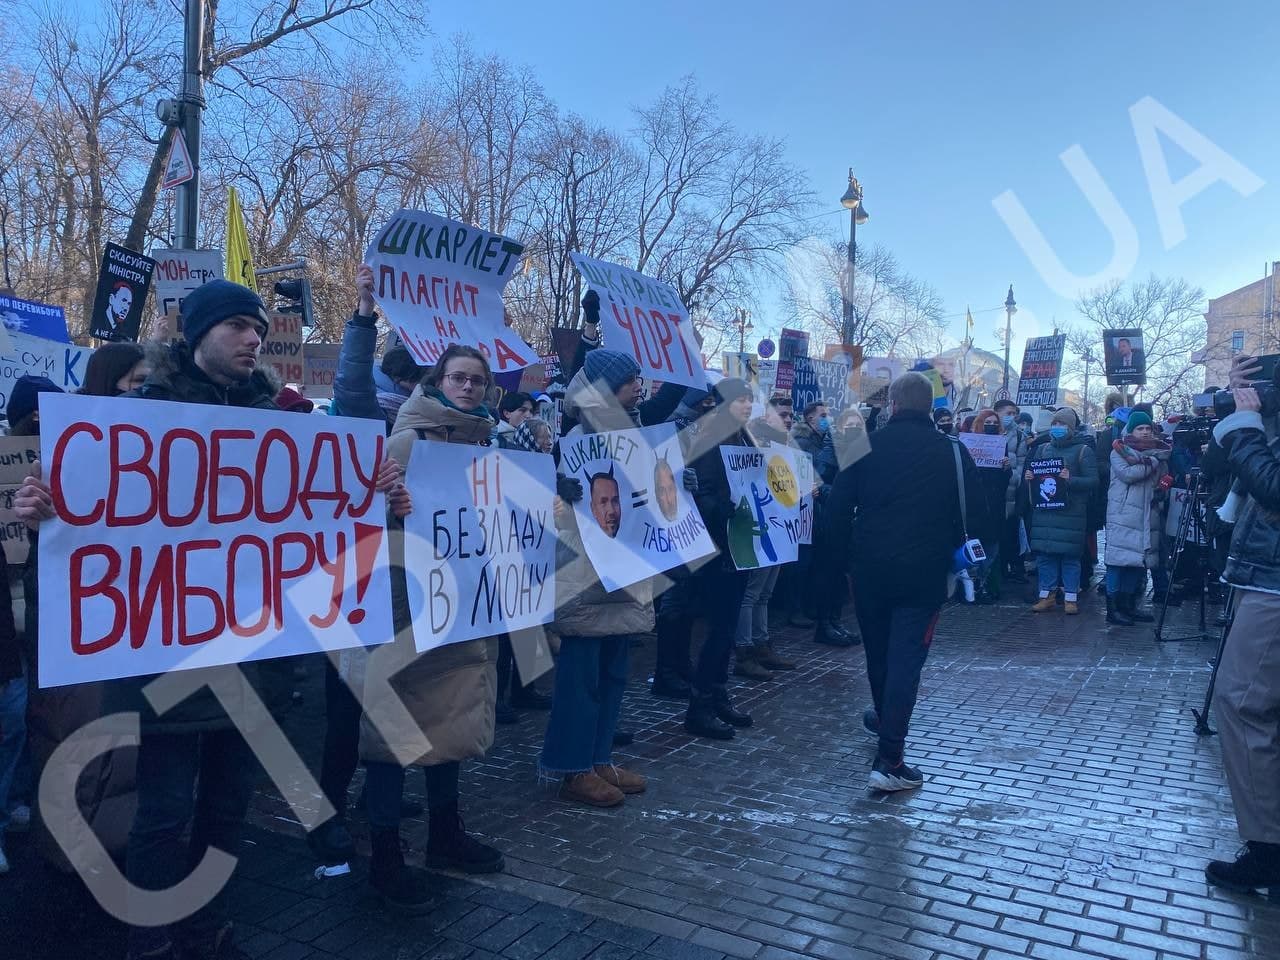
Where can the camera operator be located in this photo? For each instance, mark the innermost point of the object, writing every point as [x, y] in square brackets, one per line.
[1248, 693]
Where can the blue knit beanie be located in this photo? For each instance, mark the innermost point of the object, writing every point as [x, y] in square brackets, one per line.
[24, 397]
[614, 368]
[210, 303]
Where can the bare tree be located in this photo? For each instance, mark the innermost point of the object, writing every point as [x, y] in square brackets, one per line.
[1170, 313]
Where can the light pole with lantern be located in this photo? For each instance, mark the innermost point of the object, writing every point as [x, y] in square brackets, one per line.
[851, 201]
[744, 327]
[1010, 308]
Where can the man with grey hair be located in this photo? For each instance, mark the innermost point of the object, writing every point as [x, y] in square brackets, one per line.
[897, 515]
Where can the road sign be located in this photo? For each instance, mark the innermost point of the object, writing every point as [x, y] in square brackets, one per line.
[178, 167]
[1003, 394]
[765, 348]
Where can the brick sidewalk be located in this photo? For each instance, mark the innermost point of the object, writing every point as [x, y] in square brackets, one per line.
[1068, 813]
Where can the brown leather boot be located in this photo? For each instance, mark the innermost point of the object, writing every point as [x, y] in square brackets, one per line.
[1044, 604]
[748, 666]
[628, 781]
[590, 788]
[770, 660]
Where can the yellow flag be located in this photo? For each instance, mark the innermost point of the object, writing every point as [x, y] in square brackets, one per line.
[239, 257]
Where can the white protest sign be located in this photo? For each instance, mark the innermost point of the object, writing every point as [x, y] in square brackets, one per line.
[63, 363]
[767, 525]
[189, 536]
[178, 272]
[480, 545]
[806, 480]
[986, 450]
[645, 318]
[635, 517]
[440, 282]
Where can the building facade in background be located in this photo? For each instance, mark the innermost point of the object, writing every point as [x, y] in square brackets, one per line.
[1242, 321]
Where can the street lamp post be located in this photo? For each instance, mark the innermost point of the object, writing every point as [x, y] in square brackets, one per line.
[851, 201]
[1010, 308]
[744, 327]
[1088, 358]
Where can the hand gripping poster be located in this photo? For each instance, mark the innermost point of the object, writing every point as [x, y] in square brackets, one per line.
[480, 544]
[189, 535]
[771, 515]
[635, 517]
[440, 282]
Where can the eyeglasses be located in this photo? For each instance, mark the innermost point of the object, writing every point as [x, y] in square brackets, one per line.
[461, 380]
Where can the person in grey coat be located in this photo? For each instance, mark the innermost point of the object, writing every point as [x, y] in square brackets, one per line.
[1139, 468]
[1057, 534]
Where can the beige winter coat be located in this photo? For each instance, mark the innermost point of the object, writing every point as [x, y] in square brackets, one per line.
[449, 692]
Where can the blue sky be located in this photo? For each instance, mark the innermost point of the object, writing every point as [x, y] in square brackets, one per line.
[942, 106]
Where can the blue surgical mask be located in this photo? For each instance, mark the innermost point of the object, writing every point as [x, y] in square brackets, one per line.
[824, 424]
[1007, 421]
[1058, 432]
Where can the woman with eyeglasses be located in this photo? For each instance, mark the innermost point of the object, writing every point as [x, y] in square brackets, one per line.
[449, 692]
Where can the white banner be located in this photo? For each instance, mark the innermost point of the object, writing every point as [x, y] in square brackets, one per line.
[480, 544]
[645, 318]
[987, 450]
[635, 517]
[178, 272]
[767, 525]
[63, 363]
[440, 282]
[189, 536]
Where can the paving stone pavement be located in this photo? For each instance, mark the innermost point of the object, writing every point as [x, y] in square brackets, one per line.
[1069, 811]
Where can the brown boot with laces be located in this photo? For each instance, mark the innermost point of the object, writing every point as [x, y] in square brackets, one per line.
[628, 781]
[590, 788]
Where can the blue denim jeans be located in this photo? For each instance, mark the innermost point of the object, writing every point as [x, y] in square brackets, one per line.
[1056, 570]
[204, 780]
[1124, 579]
[591, 675]
[13, 735]
[753, 620]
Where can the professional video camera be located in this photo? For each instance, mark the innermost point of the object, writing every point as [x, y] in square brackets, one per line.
[1224, 402]
[1195, 432]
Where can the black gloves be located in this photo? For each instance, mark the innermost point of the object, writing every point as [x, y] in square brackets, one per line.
[569, 489]
[591, 307]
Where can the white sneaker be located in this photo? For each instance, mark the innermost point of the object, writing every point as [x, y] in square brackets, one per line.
[20, 819]
[889, 779]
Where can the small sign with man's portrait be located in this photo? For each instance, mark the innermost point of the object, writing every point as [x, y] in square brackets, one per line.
[1047, 486]
[1124, 357]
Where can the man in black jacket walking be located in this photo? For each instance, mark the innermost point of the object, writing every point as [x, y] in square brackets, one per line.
[898, 513]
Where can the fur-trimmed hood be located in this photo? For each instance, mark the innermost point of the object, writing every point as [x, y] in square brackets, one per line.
[175, 376]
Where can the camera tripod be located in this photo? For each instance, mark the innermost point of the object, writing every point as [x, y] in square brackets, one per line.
[1202, 715]
[1190, 528]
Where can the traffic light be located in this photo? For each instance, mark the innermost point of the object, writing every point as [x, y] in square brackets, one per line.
[297, 291]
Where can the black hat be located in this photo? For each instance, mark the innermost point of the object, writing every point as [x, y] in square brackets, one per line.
[210, 303]
[731, 388]
[24, 398]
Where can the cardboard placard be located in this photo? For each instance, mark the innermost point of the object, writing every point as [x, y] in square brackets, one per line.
[34, 319]
[1047, 489]
[1041, 370]
[192, 535]
[123, 282]
[17, 454]
[282, 347]
[480, 546]
[319, 368]
[987, 451]
[767, 525]
[645, 319]
[635, 517]
[439, 282]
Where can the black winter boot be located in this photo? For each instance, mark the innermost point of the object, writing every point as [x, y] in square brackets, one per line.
[672, 670]
[451, 847]
[1130, 601]
[202, 941]
[832, 634]
[1257, 867]
[724, 709]
[1115, 612]
[402, 888]
[701, 719]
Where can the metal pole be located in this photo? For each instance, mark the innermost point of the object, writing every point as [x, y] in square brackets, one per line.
[187, 214]
[742, 332]
[846, 329]
[1008, 333]
[1088, 360]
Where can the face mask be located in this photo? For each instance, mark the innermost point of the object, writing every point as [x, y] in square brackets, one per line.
[1007, 421]
[1058, 432]
[824, 424]
[944, 427]
[990, 428]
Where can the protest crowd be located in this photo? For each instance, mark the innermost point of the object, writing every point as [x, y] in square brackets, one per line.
[443, 539]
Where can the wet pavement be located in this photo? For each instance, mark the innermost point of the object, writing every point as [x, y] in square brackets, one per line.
[1068, 813]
